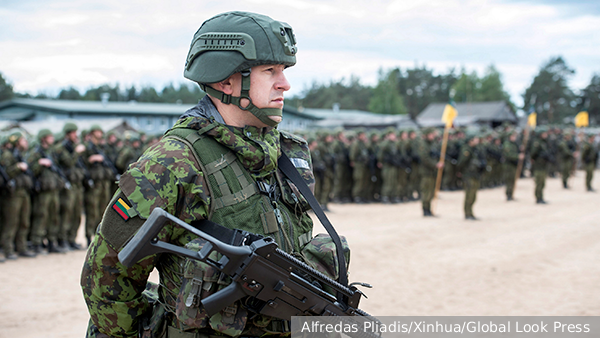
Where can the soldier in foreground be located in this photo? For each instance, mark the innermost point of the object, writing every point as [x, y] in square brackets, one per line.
[429, 154]
[218, 162]
[541, 158]
[472, 163]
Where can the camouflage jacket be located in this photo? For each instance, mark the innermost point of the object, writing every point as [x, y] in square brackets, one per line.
[168, 175]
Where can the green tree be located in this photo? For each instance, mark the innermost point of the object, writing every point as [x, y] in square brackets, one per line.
[386, 98]
[69, 94]
[420, 87]
[349, 94]
[554, 99]
[6, 89]
[149, 94]
[590, 100]
[492, 88]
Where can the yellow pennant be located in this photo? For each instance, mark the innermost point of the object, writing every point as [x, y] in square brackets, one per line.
[532, 120]
[582, 119]
[449, 115]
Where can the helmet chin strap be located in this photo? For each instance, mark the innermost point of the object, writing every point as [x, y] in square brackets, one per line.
[261, 113]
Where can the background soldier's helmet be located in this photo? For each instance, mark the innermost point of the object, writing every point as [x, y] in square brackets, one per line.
[95, 127]
[234, 42]
[69, 127]
[43, 133]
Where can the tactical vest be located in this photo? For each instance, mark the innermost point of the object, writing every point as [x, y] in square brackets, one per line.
[237, 200]
[271, 207]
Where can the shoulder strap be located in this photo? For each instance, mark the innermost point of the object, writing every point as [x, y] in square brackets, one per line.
[290, 171]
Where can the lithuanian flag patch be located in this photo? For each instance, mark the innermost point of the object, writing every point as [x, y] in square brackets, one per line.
[121, 207]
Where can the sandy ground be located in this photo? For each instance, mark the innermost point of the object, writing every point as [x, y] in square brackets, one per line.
[518, 259]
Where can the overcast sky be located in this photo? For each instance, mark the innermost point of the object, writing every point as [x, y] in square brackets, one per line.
[48, 45]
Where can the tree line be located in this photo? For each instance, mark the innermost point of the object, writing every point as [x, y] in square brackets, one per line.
[398, 91]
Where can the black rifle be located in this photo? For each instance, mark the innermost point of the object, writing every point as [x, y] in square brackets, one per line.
[88, 181]
[9, 183]
[107, 162]
[53, 167]
[281, 285]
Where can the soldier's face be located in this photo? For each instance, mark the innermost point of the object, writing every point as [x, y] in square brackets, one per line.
[267, 85]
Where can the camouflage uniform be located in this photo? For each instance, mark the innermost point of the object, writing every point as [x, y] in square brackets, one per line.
[71, 200]
[359, 157]
[404, 168]
[46, 202]
[342, 183]
[589, 157]
[566, 150]
[16, 203]
[510, 154]
[429, 155]
[472, 163]
[388, 158]
[414, 179]
[94, 194]
[204, 169]
[168, 176]
[541, 158]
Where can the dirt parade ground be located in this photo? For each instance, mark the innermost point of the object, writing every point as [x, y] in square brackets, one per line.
[520, 258]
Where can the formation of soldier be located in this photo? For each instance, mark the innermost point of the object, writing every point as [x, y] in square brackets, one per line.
[397, 166]
[48, 182]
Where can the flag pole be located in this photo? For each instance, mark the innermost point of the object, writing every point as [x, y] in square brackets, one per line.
[521, 158]
[438, 180]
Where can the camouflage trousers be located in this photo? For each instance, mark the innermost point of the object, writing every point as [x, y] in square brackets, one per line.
[45, 217]
[71, 207]
[361, 181]
[510, 171]
[342, 183]
[93, 207]
[565, 170]
[326, 186]
[389, 176]
[471, 187]
[17, 212]
[402, 187]
[589, 175]
[540, 182]
[427, 191]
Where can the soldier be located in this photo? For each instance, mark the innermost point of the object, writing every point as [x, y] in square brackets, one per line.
[589, 157]
[388, 161]
[541, 157]
[404, 168]
[414, 179]
[219, 162]
[68, 156]
[329, 160]
[94, 159]
[472, 163]
[359, 161]
[129, 153]
[16, 201]
[50, 181]
[342, 183]
[567, 149]
[429, 154]
[511, 156]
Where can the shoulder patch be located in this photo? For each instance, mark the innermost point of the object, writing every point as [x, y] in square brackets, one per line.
[123, 209]
[118, 227]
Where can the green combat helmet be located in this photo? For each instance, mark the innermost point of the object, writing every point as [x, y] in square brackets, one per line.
[234, 42]
[43, 133]
[69, 127]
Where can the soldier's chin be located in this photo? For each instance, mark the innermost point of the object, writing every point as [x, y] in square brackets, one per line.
[275, 118]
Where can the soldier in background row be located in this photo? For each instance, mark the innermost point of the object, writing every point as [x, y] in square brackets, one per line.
[359, 161]
[46, 201]
[567, 151]
[541, 158]
[342, 183]
[17, 199]
[429, 155]
[589, 157]
[511, 155]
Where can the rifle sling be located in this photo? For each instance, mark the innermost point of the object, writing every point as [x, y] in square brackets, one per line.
[286, 166]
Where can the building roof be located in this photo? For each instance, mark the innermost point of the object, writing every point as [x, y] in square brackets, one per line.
[29, 107]
[468, 113]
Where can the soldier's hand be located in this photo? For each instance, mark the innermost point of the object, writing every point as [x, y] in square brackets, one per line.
[80, 148]
[521, 156]
[23, 166]
[379, 165]
[96, 158]
[46, 162]
[440, 164]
